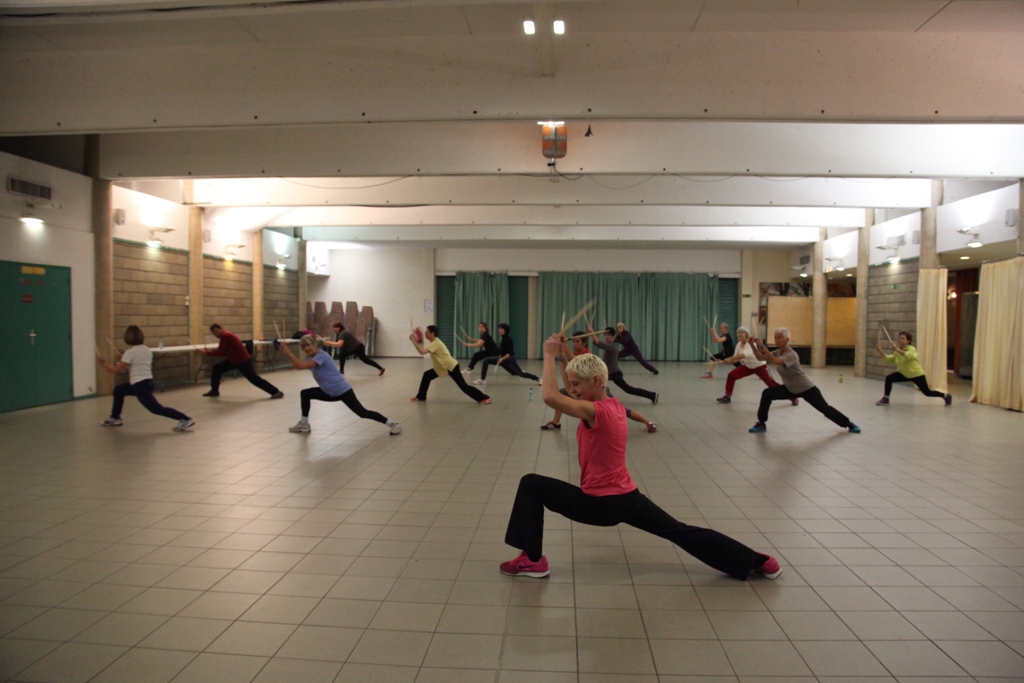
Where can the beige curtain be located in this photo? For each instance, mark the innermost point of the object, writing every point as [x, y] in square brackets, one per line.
[999, 337]
[931, 326]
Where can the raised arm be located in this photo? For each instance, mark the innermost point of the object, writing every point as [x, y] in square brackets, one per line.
[419, 347]
[761, 352]
[583, 410]
[718, 340]
[117, 369]
[296, 362]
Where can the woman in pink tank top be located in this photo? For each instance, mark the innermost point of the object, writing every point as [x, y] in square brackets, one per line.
[606, 495]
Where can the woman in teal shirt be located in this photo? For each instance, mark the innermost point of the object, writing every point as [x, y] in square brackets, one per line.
[908, 369]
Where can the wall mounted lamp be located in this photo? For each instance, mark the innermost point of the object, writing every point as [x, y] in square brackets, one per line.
[975, 234]
[155, 241]
[229, 251]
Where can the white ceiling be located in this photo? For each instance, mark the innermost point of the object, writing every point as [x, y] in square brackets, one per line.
[715, 122]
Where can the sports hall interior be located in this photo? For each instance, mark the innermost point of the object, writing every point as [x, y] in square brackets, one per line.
[846, 169]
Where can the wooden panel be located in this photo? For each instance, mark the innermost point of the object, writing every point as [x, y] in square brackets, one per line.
[841, 321]
[793, 312]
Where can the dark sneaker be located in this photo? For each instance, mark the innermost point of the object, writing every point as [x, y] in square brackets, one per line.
[381, 372]
[795, 401]
[278, 394]
[654, 401]
[652, 428]
[758, 428]
[884, 401]
[550, 426]
[213, 393]
[724, 399]
[854, 429]
[522, 566]
[770, 568]
[949, 399]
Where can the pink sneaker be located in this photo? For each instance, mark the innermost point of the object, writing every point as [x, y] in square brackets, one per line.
[707, 375]
[522, 566]
[770, 568]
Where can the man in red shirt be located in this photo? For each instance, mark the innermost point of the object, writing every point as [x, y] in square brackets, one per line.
[235, 358]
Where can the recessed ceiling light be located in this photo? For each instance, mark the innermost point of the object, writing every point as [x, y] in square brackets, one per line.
[803, 274]
[849, 275]
[559, 27]
[529, 28]
[965, 258]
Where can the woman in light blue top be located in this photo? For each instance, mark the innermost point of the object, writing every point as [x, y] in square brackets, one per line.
[331, 385]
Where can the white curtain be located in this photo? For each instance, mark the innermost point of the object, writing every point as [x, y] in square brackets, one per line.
[931, 326]
[999, 337]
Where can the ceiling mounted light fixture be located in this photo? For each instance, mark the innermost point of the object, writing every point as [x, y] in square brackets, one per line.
[529, 28]
[558, 27]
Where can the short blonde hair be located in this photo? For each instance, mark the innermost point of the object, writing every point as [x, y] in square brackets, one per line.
[586, 366]
[309, 340]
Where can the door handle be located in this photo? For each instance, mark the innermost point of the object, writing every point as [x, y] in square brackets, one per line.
[32, 337]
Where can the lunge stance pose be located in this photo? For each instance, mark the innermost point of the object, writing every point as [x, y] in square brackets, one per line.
[629, 347]
[138, 361]
[348, 344]
[506, 358]
[795, 384]
[611, 361]
[908, 369]
[607, 495]
[489, 350]
[728, 348]
[235, 358]
[750, 366]
[443, 364]
[331, 386]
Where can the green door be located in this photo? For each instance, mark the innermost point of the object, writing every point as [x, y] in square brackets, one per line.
[35, 339]
[519, 313]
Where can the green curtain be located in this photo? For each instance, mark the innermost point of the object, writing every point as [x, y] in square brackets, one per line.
[479, 297]
[664, 311]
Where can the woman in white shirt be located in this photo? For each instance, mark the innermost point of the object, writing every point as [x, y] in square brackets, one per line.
[750, 366]
[138, 361]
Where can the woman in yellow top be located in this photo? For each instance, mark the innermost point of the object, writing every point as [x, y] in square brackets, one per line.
[443, 364]
[908, 369]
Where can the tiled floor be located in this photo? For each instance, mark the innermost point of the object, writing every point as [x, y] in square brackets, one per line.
[239, 552]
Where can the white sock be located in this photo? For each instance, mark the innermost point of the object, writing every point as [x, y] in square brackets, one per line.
[304, 419]
[390, 423]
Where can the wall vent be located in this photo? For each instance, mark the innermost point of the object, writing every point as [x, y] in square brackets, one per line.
[28, 189]
[896, 241]
[804, 260]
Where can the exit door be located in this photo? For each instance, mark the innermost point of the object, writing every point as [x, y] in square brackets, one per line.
[35, 336]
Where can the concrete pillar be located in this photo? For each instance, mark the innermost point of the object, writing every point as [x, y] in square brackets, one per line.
[196, 327]
[819, 293]
[257, 284]
[103, 255]
[860, 344]
[929, 255]
[303, 295]
[748, 293]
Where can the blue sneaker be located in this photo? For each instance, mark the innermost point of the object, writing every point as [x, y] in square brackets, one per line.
[854, 429]
[758, 428]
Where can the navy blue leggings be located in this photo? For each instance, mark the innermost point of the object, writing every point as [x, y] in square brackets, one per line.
[510, 365]
[144, 392]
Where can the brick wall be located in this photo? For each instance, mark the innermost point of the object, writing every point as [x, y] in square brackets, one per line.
[896, 308]
[227, 296]
[280, 301]
[150, 286]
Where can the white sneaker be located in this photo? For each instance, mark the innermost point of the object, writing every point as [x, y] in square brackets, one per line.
[300, 428]
[396, 429]
[467, 371]
[182, 425]
[112, 422]
[480, 382]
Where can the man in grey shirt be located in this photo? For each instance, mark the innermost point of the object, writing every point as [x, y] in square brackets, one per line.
[795, 384]
[611, 359]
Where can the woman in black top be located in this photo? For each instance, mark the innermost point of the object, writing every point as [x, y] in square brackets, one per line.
[490, 349]
[728, 348]
[506, 358]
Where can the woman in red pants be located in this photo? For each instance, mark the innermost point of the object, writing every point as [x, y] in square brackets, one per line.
[750, 366]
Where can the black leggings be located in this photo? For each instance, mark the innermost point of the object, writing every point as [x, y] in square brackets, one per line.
[620, 382]
[358, 352]
[481, 355]
[429, 376]
[920, 381]
[247, 371]
[812, 396]
[509, 364]
[143, 391]
[536, 492]
[348, 398]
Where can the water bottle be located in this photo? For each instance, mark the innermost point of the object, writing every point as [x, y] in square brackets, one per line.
[160, 344]
[530, 400]
[840, 378]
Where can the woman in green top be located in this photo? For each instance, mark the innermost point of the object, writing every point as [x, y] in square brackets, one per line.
[443, 364]
[908, 369]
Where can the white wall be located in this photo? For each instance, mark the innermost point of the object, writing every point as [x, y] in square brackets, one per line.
[983, 213]
[65, 240]
[723, 262]
[394, 281]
